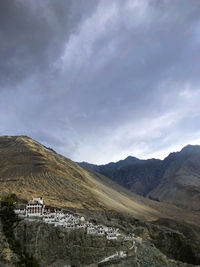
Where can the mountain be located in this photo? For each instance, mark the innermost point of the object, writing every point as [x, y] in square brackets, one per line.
[28, 169]
[176, 179]
[139, 176]
[180, 183]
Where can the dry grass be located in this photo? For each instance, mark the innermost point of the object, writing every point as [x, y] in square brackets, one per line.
[123, 200]
[29, 169]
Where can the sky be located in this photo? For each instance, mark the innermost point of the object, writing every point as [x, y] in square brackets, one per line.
[99, 80]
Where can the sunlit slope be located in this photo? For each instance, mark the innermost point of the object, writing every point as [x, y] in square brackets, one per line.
[29, 169]
[176, 179]
[124, 200]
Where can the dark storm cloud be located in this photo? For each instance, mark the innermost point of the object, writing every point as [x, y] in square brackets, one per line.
[33, 34]
[98, 80]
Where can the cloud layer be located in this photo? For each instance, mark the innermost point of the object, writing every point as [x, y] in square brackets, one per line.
[101, 80]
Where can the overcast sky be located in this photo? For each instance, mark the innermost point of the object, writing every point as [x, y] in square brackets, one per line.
[100, 80]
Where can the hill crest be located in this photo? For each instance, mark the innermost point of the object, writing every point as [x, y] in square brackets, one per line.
[28, 169]
[176, 179]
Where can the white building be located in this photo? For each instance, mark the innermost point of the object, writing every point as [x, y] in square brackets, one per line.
[83, 225]
[92, 230]
[100, 230]
[37, 199]
[20, 211]
[35, 207]
[111, 236]
[57, 217]
[112, 233]
[49, 219]
[82, 219]
[129, 236]
[60, 214]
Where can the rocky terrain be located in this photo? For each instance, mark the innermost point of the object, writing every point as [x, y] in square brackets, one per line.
[28, 169]
[139, 176]
[176, 179]
[180, 183]
[169, 234]
[56, 246]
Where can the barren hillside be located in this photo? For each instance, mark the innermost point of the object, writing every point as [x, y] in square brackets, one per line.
[29, 169]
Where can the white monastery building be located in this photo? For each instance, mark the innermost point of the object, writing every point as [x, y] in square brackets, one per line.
[35, 207]
[58, 217]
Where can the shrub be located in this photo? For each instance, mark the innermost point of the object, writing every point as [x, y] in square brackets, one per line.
[9, 220]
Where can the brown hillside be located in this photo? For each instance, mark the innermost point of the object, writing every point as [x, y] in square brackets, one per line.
[175, 180]
[29, 169]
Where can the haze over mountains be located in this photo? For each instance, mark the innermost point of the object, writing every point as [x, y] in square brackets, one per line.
[176, 179]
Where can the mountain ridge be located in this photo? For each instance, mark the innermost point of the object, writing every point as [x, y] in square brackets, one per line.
[29, 169]
[157, 179]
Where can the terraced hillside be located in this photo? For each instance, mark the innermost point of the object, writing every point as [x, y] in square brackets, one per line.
[29, 169]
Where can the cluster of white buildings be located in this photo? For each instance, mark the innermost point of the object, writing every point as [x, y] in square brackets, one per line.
[56, 217]
[101, 230]
[35, 207]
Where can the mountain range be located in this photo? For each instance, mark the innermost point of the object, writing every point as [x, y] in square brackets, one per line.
[29, 169]
[176, 179]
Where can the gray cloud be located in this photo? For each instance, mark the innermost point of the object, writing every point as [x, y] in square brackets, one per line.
[33, 34]
[98, 80]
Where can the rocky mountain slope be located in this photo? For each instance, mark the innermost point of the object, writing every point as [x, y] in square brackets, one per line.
[180, 183]
[164, 242]
[75, 248]
[139, 176]
[29, 169]
[176, 179]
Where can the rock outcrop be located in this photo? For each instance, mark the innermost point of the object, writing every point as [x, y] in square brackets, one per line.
[56, 246]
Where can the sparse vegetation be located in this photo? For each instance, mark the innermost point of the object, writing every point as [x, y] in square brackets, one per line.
[27, 169]
[9, 220]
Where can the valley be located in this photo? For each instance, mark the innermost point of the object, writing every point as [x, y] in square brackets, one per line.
[175, 180]
[29, 169]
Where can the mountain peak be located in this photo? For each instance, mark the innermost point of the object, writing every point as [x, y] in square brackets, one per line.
[131, 158]
[128, 160]
[191, 148]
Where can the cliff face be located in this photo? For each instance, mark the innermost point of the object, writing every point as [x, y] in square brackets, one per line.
[29, 169]
[58, 247]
